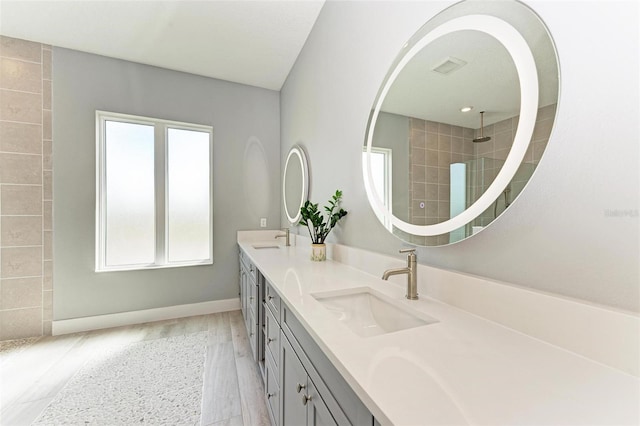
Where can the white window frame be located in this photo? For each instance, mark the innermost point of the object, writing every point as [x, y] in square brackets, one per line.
[161, 140]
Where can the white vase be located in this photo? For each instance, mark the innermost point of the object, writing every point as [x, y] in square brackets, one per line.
[319, 252]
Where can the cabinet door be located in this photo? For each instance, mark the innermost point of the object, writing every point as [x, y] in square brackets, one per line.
[261, 323]
[253, 295]
[243, 290]
[272, 391]
[272, 337]
[293, 384]
[252, 333]
[317, 412]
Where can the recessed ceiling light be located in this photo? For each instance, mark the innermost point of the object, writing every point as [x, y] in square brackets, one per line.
[466, 109]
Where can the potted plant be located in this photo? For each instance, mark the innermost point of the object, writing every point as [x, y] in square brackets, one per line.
[318, 227]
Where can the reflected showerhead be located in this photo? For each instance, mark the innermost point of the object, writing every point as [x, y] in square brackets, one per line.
[482, 137]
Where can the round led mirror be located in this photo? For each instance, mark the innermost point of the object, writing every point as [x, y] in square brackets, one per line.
[295, 183]
[460, 121]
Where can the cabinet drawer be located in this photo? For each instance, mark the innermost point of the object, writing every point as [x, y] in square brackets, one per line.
[272, 390]
[272, 334]
[272, 299]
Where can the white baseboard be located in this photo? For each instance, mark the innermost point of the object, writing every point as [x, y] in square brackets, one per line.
[75, 325]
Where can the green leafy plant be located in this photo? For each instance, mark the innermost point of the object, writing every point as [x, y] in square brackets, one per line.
[314, 220]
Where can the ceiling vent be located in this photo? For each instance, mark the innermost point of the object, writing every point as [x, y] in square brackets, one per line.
[448, 65]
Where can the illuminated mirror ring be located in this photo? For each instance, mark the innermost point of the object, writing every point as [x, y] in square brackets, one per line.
[298, 159]
[525, 65]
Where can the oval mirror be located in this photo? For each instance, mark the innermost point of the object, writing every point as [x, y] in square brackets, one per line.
[461, 121]
[295, 183]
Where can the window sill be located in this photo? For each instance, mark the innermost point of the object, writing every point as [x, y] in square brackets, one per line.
[151, 267]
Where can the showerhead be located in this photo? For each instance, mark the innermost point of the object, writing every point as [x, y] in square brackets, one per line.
[482, 137]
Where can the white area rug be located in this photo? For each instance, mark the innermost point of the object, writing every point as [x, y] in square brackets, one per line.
[150, 382]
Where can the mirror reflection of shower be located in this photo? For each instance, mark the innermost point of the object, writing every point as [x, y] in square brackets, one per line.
[436, 171]
[470, 179]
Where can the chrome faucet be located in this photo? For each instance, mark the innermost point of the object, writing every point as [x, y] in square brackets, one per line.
[286, 234]
[412, 273]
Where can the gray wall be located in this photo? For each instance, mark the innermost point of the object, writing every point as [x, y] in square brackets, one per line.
[246, 149]
[574, 230]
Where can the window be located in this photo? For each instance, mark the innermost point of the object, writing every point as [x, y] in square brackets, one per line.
[154, 195]
[381, 173]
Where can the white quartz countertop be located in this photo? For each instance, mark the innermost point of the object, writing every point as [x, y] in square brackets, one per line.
[461, 370]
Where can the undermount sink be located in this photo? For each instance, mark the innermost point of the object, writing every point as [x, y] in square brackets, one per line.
[266, 246]
[368, 314]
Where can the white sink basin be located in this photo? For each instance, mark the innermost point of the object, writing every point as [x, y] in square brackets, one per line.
[266, 246]
[368, 313]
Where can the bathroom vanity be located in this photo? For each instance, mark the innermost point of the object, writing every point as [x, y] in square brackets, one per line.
[327, 360]
[301, 385]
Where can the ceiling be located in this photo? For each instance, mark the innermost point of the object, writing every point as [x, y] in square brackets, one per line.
[249, 42]
[256, 42]
[487, 80]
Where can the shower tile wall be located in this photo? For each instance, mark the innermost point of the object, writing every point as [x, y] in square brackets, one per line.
[435, 146]
[26, 263]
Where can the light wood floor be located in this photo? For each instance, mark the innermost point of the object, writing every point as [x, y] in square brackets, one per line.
[34, 371]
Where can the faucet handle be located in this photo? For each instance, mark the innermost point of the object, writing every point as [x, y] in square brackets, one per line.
[411, 254]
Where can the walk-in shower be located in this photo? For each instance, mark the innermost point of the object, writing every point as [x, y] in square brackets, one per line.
[470, 179]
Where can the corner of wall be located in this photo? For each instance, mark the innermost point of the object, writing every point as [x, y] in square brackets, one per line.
[26, 169]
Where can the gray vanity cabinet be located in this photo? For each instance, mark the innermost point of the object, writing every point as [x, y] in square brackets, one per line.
[301, 386]
[294, 381]
[272, 390]
[250, 295]
[318, 413]
[243, 287]
[332, 399]
[301, 402]
[272, 353]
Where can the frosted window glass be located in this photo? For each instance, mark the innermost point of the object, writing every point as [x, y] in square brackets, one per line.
[378, 170]
[188, 191]
[381, 178]
[130, 195]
